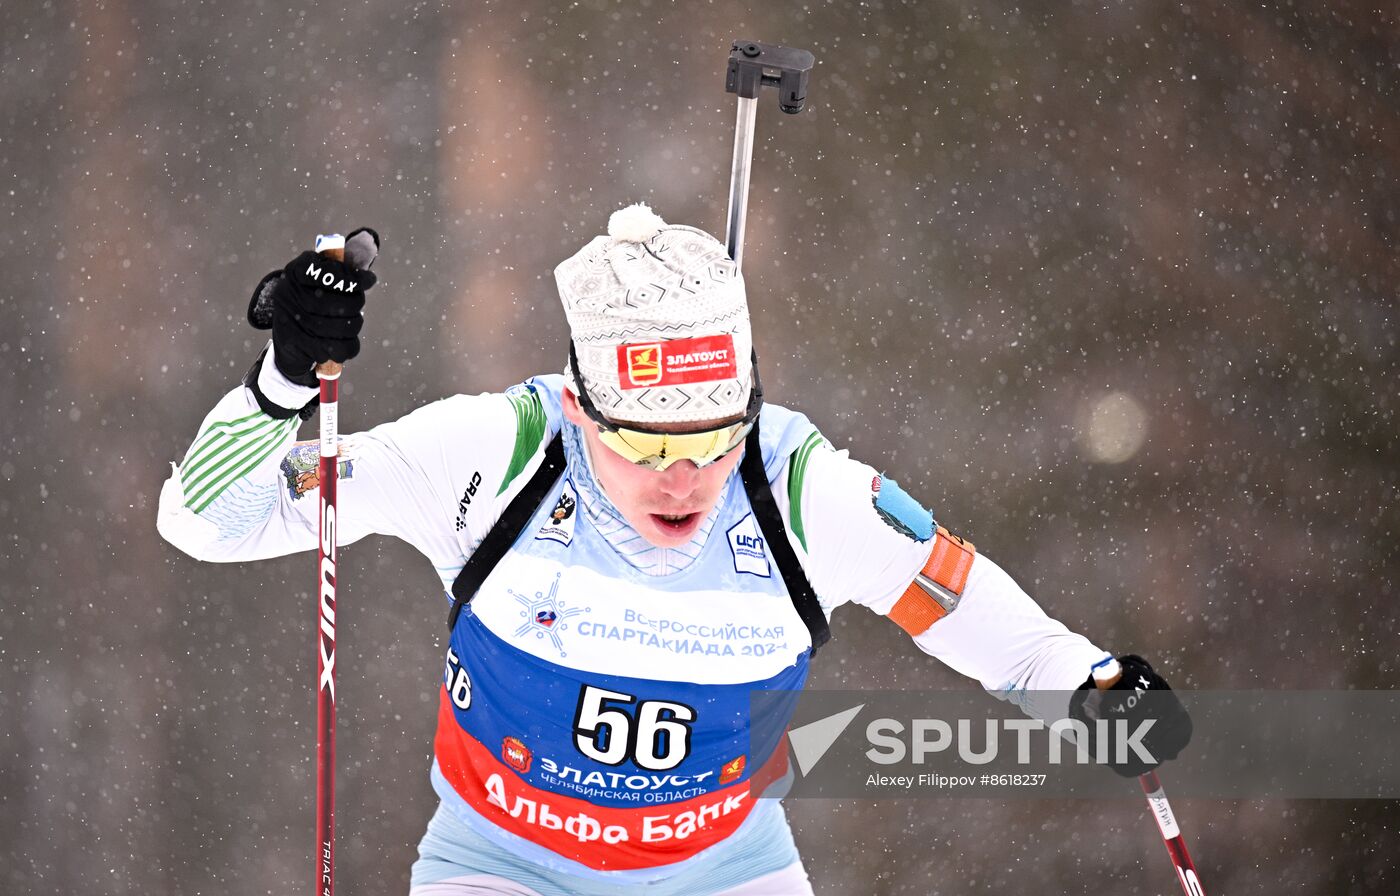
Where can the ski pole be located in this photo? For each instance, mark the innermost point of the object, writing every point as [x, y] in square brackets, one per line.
[752, 65]
[1171, 835]
[1105, 677]
[328, 373]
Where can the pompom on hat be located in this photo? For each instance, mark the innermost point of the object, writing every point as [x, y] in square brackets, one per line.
[660, 322]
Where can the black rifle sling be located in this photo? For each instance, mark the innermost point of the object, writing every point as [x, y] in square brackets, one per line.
[506, 530]
[770, 521]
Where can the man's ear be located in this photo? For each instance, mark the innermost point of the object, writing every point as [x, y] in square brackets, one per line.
[572, 411]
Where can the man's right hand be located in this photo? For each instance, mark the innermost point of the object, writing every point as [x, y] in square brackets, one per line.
[315, 308]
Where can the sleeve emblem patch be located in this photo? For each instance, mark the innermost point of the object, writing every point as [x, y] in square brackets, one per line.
[301, 468]
[899, 511]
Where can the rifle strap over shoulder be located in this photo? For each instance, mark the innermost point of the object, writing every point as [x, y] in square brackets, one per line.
[770, 521]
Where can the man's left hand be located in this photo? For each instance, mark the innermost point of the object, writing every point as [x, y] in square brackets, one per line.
[1139, 695]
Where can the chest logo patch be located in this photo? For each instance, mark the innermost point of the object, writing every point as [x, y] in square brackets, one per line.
[560, 526]
[750, 553]
[545, 615]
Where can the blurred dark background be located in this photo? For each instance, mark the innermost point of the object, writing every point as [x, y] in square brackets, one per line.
[1110, 285]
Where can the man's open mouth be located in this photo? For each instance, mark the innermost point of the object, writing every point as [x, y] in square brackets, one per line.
[675, 522]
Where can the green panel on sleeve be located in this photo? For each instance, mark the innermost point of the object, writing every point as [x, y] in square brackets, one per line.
[226, 452]
[797, 471]
[530, 423]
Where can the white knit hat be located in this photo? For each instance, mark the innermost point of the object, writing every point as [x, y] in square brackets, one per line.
[660, 322]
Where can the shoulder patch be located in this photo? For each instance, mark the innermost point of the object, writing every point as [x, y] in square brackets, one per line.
[797, 472]
[899, 511]
[301, 468]
[530, 424]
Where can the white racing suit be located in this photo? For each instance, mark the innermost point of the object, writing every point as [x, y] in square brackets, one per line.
[593, 730]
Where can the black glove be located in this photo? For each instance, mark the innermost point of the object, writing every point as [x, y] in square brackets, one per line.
[1138, 695]
[315, 309]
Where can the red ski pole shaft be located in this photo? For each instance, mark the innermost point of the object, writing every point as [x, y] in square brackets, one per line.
[329, 374]
[1105, 678]
[1171, 835]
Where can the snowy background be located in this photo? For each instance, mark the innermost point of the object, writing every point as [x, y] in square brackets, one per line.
[1111, 286]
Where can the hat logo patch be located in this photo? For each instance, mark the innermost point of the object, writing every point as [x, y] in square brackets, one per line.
[699, 359]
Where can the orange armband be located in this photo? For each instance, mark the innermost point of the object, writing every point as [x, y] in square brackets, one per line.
[938, 587]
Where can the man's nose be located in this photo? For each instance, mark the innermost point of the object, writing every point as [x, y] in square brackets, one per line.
[680, 479]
